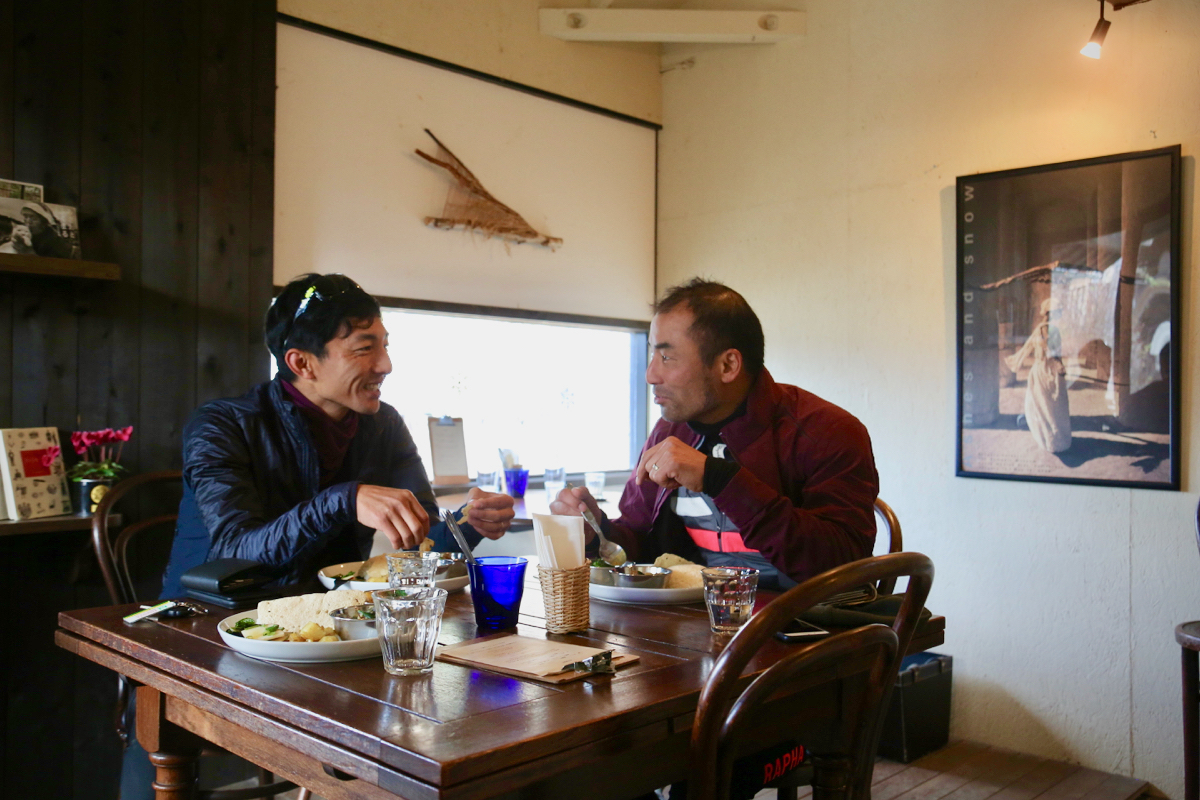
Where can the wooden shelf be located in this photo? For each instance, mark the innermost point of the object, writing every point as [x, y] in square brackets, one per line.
[59, 267]
[59, 524]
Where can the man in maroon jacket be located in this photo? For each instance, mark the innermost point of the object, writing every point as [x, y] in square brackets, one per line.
[740, 470]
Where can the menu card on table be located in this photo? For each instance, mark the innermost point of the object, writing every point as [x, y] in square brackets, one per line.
[527, 657]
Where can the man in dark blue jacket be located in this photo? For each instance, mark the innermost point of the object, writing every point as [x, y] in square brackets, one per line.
[299, 472]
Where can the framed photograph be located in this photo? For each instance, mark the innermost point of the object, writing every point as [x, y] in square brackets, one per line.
[29, 227]
[1068, 322]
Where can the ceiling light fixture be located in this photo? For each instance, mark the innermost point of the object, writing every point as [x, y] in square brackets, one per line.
[1092, 48]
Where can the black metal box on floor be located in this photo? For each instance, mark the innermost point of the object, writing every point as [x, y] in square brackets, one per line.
[918, 719]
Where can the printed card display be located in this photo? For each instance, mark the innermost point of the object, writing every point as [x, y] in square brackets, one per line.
[32, 475]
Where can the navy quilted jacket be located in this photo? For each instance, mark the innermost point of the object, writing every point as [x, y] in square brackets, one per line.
[250, 488]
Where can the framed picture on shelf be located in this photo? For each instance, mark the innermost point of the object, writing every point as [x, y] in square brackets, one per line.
[38, 229]
[20, 190]
[1068, 322]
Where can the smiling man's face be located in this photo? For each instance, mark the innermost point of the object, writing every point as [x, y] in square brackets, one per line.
[350, 375]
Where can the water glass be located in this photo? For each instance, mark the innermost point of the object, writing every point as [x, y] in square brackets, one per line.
[594, 481]
[554, 480]
[411, 569]
[497, 585]
[488, 481]
[516, 481]
[729, 595]
[409, 623]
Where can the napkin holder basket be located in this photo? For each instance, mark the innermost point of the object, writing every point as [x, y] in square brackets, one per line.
[565, 595]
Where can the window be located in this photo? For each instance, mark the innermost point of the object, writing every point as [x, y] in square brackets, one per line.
[558, 394]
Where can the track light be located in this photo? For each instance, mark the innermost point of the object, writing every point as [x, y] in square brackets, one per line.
[1092, 48]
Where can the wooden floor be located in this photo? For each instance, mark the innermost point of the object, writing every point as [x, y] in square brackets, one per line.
[969, 771]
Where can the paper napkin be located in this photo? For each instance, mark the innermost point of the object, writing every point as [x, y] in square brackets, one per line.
[559, 541]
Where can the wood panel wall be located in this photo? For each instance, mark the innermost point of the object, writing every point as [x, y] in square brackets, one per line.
[155, 118]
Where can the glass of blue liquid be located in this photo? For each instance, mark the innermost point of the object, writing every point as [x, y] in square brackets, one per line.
[497, 585]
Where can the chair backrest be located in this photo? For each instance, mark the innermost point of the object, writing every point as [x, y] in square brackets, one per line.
[113, 554]
[888, 521]
[726, 709]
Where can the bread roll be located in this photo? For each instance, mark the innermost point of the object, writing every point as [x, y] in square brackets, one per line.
[670, 560]
[685, 576]
[374, 569]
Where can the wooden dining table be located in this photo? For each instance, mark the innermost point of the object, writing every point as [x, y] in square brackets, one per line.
[351, 730]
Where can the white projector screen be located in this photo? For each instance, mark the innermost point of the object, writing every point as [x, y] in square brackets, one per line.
[351, 195]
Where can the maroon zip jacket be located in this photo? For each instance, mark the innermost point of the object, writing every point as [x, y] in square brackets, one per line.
[804, 496]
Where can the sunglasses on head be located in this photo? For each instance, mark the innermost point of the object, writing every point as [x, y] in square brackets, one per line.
[324, 289]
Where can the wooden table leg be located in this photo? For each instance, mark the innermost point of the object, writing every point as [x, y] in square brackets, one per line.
[173, 751]
[1191, 724]
[831, 777]
[174, 776]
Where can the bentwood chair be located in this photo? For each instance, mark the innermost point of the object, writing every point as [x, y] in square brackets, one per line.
[734, 719]
[888, 521]
[114, 554]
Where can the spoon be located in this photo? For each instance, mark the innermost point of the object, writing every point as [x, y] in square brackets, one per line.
[456, 532]
[611, 552]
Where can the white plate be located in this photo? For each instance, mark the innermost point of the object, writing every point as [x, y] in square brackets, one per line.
[296, 652]
[646, 597]
[328, 575]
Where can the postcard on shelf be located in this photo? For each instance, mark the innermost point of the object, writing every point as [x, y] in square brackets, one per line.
[32, 476]
[527, 657]
[20, 191]
[38, 229]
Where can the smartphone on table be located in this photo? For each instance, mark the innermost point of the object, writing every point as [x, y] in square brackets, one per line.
[800, 631]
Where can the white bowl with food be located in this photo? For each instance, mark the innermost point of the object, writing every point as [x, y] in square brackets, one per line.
[297, 630]
[682, 585]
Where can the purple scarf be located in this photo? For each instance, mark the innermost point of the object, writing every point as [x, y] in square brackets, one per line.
[332, 437]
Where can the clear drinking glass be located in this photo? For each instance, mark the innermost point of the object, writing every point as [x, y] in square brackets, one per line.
[488, 481]
[411, 569]
[554, 480]
[594, 481]
[409, 622]
[729, 594]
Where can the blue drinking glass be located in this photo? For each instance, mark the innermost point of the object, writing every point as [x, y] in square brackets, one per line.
[497, 584]
[516, 480]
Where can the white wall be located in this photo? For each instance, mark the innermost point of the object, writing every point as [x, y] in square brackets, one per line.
[353, 197]
[817, 177]
[501, 38]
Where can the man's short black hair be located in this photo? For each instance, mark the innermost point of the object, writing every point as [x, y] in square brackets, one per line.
[313, 310]
[722, 320]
